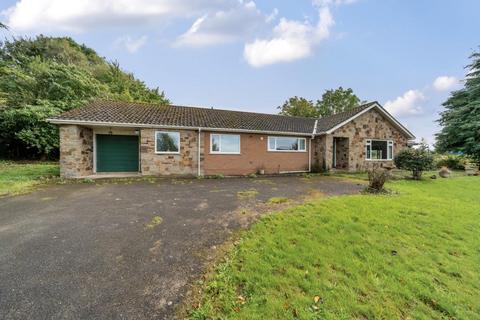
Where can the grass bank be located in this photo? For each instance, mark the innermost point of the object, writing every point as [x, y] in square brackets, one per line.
[411, 255]
[18, 177]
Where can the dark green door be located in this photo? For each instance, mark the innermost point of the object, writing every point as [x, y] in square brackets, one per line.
[117, 153]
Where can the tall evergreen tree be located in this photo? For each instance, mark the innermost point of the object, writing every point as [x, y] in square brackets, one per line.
[461, 119]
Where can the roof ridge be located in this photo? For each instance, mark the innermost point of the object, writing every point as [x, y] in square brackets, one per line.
[198, 107]
[363, 105]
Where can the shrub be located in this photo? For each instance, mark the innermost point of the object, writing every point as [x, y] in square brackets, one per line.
[453, 162]
[376, 179]
[415, 160]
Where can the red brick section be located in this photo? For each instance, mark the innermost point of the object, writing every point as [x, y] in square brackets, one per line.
[253, 157]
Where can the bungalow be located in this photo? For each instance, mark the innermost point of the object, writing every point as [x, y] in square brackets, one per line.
[110, 136]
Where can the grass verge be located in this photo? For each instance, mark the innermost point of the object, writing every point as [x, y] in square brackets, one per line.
[410, 256]
[17, 177]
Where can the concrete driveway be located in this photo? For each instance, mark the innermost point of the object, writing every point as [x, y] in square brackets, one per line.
[125, 250]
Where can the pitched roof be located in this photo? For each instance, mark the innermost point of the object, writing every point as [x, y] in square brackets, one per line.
[145, 114]
[181, 116]
[326, 123]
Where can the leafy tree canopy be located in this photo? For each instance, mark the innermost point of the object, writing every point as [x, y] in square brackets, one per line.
[45, 76]
[461, 119]
[335, 101]
[332, 101]
[299, 107]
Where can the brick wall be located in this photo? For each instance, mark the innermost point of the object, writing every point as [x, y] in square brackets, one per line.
[253, 156]
[76, 151]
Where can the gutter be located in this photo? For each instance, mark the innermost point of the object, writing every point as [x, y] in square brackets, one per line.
[199, 171]
[137, 125]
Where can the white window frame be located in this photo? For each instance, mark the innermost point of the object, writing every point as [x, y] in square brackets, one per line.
[282, 137]
[167, 152]
[368, 143]
[220, 143]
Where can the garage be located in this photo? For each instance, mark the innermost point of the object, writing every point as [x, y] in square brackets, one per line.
[116, 153]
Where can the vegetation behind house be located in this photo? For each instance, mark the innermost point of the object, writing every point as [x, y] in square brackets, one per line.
[461, 119]
[44, 76]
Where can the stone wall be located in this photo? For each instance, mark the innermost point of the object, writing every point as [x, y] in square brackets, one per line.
[370, 125]
[342, 153]
[184, 163]
[76, 151]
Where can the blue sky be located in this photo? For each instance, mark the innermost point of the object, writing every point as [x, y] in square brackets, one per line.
[247, 55]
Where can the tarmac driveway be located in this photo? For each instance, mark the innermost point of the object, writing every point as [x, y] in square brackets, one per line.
[125, 250]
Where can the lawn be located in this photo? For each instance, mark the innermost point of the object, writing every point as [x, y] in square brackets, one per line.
[17, 177]
[414, 254]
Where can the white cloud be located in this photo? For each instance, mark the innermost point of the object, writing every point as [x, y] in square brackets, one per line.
[408, 104]
[79, 15]
[223, 26]
[445, 83]
[132, 44]
[291, 40]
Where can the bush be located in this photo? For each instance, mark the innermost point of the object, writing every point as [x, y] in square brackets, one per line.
[415, 160]
[453, 162]
[376, 179]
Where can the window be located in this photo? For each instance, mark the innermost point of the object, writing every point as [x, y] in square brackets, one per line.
[167, 142]
[225, 143]
[286, 144]
[379, 150]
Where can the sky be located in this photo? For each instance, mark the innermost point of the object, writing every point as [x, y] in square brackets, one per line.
[253, 55]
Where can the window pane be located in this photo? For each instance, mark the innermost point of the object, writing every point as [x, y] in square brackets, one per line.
[168, 141]
[287, 144]
[230, 143]
[390, 152]
[215, 142]
[379, 150]
[301, 144]
[271, 143]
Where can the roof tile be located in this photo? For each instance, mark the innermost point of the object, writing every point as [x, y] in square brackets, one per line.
[171, 115]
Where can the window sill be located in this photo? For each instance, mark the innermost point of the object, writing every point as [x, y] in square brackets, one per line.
[158, 152]
[230, 153]
[290, 151]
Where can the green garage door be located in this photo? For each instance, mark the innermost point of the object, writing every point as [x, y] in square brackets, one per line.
[117, 153]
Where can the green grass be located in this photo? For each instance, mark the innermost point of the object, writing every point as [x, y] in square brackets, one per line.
[277, 200]
[412, 255]
[17, 178]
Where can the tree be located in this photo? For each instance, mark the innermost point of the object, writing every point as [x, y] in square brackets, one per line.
[335, 101]
[415, 160]
[45, 76]
[332, 101]
[461, 118]
[299, 107]
[3, 26]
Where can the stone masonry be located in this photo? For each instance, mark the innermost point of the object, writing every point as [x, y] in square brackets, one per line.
[76, 151]
[184, 163]
[370, 125]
